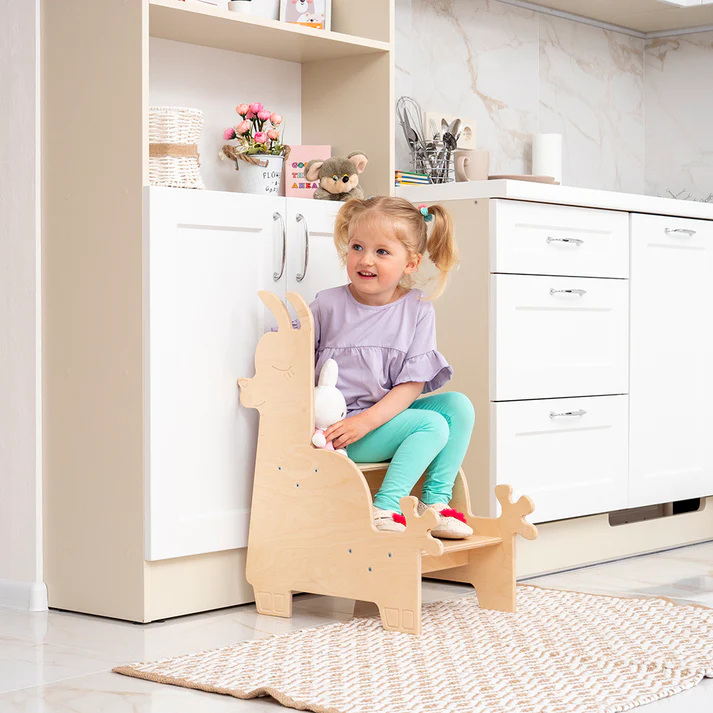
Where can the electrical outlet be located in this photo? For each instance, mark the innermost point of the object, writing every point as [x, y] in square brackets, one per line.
[467, 128]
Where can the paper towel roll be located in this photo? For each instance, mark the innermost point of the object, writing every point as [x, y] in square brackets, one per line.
[547, 155]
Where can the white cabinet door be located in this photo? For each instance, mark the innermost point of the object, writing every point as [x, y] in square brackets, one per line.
[671, 359]
[206, 255]
[558, 337]
[312, 260]
[569, 455]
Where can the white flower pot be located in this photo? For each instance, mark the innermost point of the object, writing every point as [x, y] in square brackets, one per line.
[240, 6]
[264, 180]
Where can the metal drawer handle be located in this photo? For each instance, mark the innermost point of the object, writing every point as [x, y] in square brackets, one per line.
[581, 293]
[301, 219]
[574, 241]
[686, 231]
[581, 412]
[275, 275]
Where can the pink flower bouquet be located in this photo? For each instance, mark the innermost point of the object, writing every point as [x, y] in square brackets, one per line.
[256, 132]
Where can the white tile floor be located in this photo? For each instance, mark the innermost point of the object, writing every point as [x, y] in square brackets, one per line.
[56, 662]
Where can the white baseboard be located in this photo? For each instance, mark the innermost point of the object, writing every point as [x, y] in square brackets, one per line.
[27, 596]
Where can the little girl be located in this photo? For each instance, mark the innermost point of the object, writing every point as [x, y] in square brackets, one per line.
[382, 334]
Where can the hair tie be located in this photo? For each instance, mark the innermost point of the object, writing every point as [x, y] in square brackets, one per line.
[424, 212]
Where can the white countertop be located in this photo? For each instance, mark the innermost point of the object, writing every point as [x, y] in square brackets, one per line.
[564, 195]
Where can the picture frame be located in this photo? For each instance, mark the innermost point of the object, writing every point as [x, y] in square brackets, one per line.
[296, 186]
[308, 13]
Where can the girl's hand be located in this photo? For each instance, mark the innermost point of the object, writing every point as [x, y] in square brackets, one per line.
[348, 430]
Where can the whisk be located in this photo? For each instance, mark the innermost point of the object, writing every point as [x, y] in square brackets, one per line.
[410, 117]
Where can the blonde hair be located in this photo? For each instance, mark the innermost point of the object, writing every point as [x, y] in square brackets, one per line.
[409, 226]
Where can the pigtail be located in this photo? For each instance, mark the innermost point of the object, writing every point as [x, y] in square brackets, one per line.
[441, 246]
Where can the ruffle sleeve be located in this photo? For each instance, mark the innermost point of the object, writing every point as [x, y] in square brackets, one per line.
[431, 368]
[423, 361]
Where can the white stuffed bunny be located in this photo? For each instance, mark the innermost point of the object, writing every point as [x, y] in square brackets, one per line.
[329, 405]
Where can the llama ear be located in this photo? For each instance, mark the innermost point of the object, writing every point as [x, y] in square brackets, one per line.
[328, 374]
[277, 307]
[300, 305]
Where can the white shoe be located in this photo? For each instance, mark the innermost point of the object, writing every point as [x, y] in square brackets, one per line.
[385, 520]
[452, 525]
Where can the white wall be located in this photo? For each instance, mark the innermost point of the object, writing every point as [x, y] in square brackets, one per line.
[20, 392]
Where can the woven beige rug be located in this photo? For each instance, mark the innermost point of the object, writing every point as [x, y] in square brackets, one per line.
[562, 652]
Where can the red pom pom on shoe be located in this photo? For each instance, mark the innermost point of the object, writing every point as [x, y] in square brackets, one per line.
[449, 512]
[399, 518]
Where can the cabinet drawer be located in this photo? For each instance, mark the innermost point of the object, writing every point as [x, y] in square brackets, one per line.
[542, 239]
[676, 236]
[558, 336]
[570, 465]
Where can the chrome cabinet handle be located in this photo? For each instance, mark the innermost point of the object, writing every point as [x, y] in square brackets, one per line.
[686, 231]
[275, 275]
[581, 293]
[581, 412]
[301, 219]
[574, 241]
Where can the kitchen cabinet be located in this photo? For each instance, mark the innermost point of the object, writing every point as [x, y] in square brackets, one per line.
[207, 256]
[671, 359]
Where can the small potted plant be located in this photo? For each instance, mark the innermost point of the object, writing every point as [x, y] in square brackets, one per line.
[259, 153]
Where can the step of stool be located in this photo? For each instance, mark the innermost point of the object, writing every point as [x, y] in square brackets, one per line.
[455, 553]
[469, 543]
[364, 467]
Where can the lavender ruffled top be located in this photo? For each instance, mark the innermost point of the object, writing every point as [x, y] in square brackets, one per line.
[377, 347]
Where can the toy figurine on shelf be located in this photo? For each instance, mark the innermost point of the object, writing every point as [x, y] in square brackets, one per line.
[338, 177]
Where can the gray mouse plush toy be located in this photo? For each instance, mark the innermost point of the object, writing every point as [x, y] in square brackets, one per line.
[338, 176]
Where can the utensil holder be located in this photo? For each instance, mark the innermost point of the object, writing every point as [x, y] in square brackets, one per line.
[437, 171]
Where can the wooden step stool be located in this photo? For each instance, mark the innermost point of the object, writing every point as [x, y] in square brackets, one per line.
[311, 524]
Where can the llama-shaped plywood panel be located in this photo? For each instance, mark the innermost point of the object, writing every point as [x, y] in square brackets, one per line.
[311, 525]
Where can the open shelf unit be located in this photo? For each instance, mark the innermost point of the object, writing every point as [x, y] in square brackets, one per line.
[347, 80]
[95, 99]
[208, 26]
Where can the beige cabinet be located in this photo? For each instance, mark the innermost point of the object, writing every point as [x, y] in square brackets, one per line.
[146, 301]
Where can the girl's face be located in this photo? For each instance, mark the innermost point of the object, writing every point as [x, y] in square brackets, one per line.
[376, 262]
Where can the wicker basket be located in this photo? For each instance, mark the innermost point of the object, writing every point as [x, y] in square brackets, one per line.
[173, 146]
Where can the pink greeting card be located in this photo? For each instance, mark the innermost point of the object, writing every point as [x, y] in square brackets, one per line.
[295, 183]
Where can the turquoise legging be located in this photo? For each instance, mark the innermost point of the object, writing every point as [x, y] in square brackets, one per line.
[433, 433]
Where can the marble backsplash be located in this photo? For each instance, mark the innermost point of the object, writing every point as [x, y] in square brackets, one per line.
[678, 95]
[619, 102]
